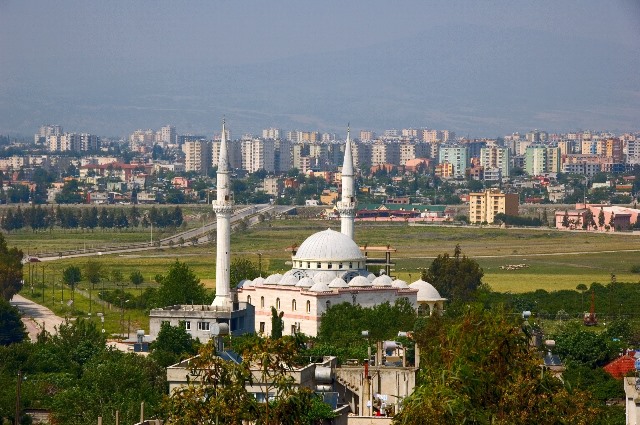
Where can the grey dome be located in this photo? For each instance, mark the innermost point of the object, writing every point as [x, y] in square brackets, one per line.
[400, 284]
[325, 277]
[338, 283]
[320, 287]
[305, 282]
[328, 245]
[382, 280]
[426, 291]
[371, 277]
[359, 281]
[273, 279]
[290, 280]
[258, 281]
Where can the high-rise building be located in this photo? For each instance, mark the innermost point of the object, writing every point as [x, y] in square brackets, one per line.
[496, 157]
[197, 156]
[42, 136]
[258, 154]
[167, 136]
[457, 156]
[272, 133]
[367, 135]
[412, 150]
[484, 206]
[385, 153]
[541, 159]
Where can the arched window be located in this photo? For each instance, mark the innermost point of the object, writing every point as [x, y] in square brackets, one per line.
[350, 265]
[248, 299]
[293, 305]
[261, 302]
[308, 306]
[328, 305]
[318, 266]
[277, 303]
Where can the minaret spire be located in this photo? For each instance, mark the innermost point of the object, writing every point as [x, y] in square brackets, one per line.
[347, 204]
[223, 207]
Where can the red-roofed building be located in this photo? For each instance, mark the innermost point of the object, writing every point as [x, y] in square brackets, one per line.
[619, 367]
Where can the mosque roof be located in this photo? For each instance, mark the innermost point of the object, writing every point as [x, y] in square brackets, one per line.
[426, 291]
[328, 245]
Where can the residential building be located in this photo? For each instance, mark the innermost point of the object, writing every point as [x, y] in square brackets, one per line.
[197, 156]
[272, 133]
[541, 159]
[457, 156]
[385, 153]
[484, 206]
[45, 131]
[167, 136]
[496, 157]
[258, 154]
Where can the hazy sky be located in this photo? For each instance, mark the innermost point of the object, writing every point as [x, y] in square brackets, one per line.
[82, 63]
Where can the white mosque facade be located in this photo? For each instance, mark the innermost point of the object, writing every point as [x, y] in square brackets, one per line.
[328, 269]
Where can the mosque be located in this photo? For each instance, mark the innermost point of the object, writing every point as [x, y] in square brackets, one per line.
[329, 268]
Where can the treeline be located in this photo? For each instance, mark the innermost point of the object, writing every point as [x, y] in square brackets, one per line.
[514, 220]
[40, 218]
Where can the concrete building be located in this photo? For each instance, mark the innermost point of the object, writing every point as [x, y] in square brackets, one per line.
[496, 157]
[167, 136]
[197, 156]
[385, 153]
[272, 133]
[541, 159]
[457, 156]
[484, 206]
[258, 154]
[45, 131]
[412, 150]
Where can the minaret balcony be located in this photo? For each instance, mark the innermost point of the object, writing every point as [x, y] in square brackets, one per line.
[222, 207]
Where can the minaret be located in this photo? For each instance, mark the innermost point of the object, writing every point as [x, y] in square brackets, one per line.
[223, 207]
[347, 204]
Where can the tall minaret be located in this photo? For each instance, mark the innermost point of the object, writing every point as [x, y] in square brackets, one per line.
[223, 207]
[347, 205]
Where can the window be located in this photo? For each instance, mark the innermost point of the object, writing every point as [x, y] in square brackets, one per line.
[261, 302]
[262, 327]
[340, 265]
[308, 265]
[330, 266]
[308, 306]
[318, 265]
[328, 305]
[248, 299]
[293, 329]
[277, 303]
[350, 265]
[203, 326]
[187, 325]
[293, 305]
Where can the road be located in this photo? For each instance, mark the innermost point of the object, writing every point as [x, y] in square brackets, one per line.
[251, 213]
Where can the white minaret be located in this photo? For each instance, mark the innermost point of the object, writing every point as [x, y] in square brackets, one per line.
[347, 204]
[223, 207]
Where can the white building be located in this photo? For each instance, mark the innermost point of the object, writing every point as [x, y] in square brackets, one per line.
[197, 156]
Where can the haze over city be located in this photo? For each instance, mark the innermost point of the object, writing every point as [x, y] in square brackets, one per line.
[482, 69]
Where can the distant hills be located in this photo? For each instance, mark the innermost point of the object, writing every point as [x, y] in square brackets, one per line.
[474, 80]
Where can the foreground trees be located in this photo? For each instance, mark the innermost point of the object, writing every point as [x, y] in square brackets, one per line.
[479, 369]
[10, 270]
[456, 278]
[219, 391]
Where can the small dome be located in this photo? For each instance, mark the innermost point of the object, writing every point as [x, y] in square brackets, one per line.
[258, 281]
[244, 283]
[320, 287]
[400, 284]
[371, 277]
[290, 280]
[273, 279]
[325, 277]
[305, 282]
[359, 281]
[382, 280]
[328, 245]
[426, 291]
[338, 283]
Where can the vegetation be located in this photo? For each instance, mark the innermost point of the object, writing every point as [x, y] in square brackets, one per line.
[457, 278]
[10, 270]
[181, 286]
[12, 329]
[172, 345]
[478, 368]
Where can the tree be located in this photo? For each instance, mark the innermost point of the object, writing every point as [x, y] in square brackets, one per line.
[582, 288]
[172, 344]
[586, 347]
[242, 268]
[601, 218]
[277, 324]
[565, 219]
[10, 270]
[71, 276]
[180, 286]
[479, 369]
[136, 278]
[12, 329]
[93, 272]
[455, 278]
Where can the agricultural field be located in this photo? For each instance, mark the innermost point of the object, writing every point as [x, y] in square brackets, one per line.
[514, 260]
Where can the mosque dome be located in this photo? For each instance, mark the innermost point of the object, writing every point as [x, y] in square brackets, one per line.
[382, 280]
[359, 281]
[244, 283]
[328, 245]
[320, 287]
[426, 291]
[325, 277]
[258, 281]
[273, 279]
[338, 283]
[305, 282]
[400, 284]
[371, 277]
[289, 280]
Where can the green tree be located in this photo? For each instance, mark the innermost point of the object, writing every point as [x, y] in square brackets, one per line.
[71, 276]
[172, 344]
[242, 268]
[93, 272]
[565, 219]
[12, 329]
[136, 278]
[601, 218]
[180, 286]
[582, 288]
[277, 324]
[456, 278]
[478, 368]
[586, 347]
[10, 270]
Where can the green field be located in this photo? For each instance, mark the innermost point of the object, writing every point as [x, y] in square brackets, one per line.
[555, 259]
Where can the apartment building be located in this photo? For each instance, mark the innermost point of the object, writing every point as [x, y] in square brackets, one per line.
[541, 159]
[234, 150]
[367, 135]
[496, 157]
[457, 156]
[272, 133]
[412, 150]
[197, 156]
[484, 206]
[45, 131]
[167, 135]
[258, 154]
